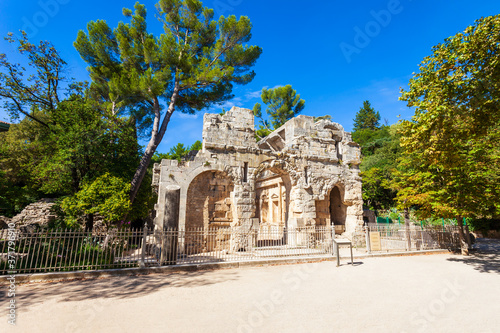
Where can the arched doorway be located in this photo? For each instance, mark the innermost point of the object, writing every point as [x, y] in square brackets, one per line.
[331, 210]
[338, 211]
[209, 208]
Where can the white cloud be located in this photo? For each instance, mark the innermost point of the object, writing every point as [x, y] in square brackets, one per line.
[186, 115]
[252, 94]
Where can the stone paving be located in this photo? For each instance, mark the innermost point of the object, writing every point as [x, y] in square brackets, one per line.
[428, 293]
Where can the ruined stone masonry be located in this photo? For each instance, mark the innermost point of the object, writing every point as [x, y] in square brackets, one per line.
[304, 174]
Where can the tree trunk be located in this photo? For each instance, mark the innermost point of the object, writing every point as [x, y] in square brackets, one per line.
[467, 236]
[89, 222]
[141, 170]
[407, 227]
[156, 137]
[463, 242]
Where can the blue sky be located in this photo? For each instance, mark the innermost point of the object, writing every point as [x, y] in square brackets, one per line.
[336, 54]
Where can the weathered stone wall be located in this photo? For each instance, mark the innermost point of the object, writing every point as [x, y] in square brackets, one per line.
[35, 215]
[4, 222]
[307, 159]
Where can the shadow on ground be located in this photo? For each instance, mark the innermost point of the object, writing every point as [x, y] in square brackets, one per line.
[485, 256]
[116, 287]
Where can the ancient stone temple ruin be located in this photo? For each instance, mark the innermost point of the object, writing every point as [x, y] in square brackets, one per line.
[304, 174]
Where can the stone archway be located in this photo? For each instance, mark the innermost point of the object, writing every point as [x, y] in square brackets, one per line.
[209, 202]
[332, 210]
[338, 210]
[209, 207]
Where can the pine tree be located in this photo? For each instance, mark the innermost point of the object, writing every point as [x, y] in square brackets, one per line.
[366, 118]
[191, 66]
[283, 103]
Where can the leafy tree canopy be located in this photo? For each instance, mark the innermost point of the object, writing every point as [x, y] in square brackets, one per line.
[178, 152]
[451, 161]
[33, 88]
[282, 104]
[62, 142]
[107, 195]
[192, 65]
[380, 150]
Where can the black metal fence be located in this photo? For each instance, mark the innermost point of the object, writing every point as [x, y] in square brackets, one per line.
[65, 250]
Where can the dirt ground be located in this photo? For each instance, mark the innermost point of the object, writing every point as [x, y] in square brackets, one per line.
[431, 293]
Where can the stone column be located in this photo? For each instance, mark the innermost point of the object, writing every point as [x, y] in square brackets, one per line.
[171, 225]
[242, 237]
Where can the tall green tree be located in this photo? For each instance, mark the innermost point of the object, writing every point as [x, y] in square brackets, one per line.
[191, 66]
[282, 104]
[366, 118]
[451, 161]
[63, 142]
[380, 150]
[177, 152]
[80, 146]
[32, 88]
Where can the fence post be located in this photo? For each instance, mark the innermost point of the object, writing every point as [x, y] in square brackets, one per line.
[142, 263]
[333, 239]
[367, 235]
[407, 239]
[422, 236]
[407, 228]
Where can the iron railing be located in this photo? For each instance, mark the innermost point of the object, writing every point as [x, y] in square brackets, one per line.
[396, 237]
[64, 250]
[67, 250]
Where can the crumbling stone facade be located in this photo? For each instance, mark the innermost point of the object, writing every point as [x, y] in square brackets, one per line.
[35, 216]
[304, 174]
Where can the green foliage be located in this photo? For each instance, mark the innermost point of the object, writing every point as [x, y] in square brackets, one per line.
[192, 65]
[61, 143]
[196, 146]
[371, 139]
[31, 89]
[380, 150]
[106, 195]
[16, 191]
[283, 103]
[80, 145]
[451, 161]
[377, 190]
[63, 254]
[484, 225]
[178, 152]
[366, 118]
[262, 132]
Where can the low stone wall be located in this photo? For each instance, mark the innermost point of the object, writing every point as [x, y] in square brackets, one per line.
[35, 215]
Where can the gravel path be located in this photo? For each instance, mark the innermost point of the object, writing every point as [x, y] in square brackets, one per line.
[432, 293]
